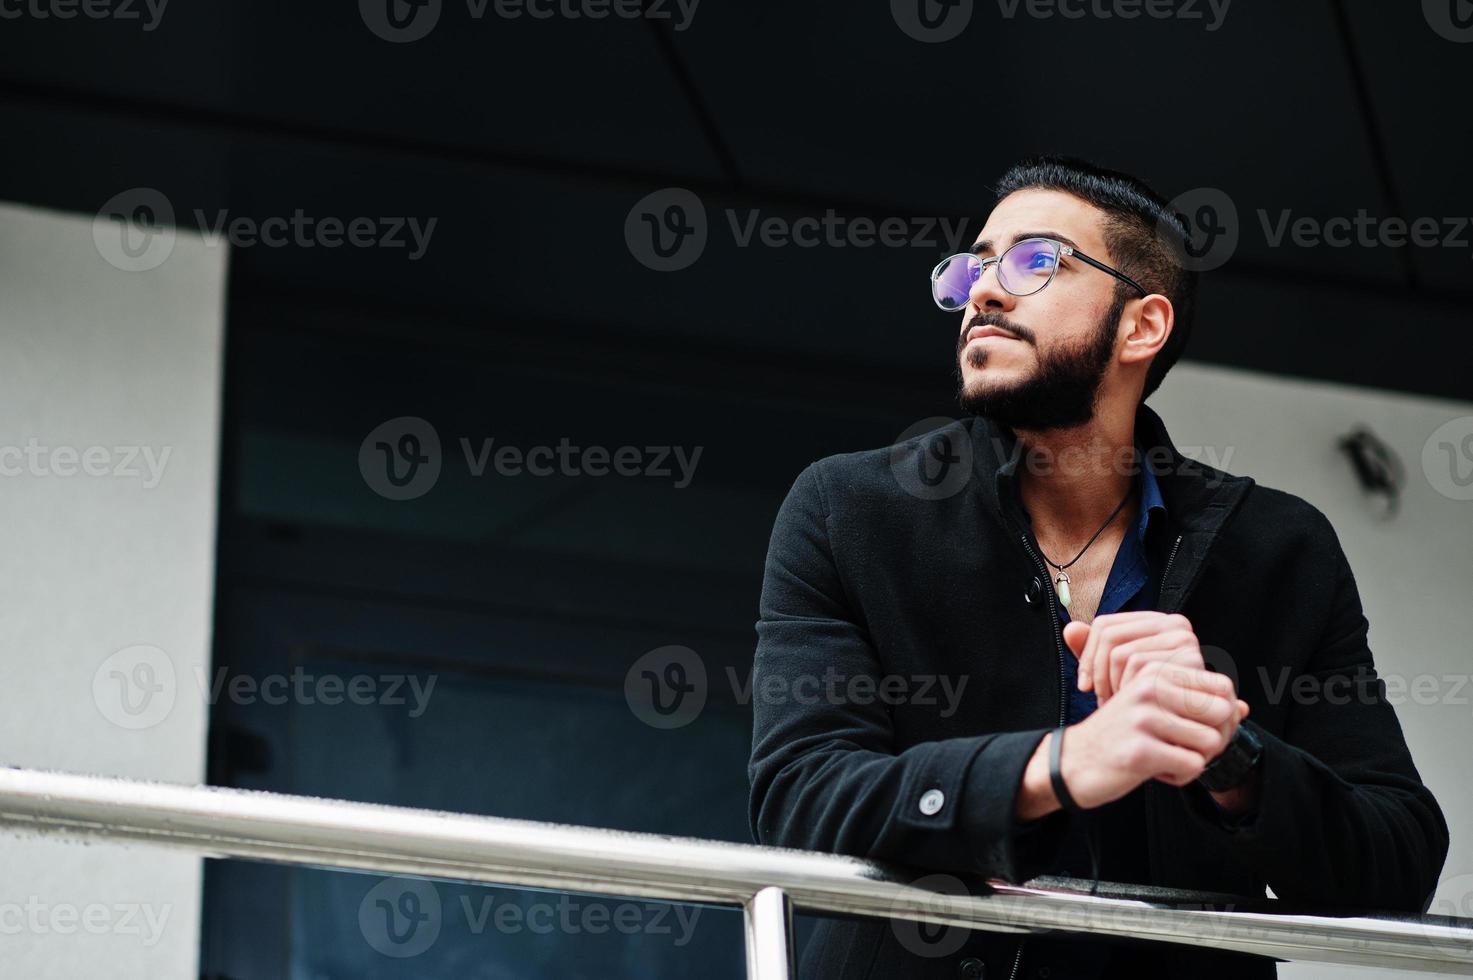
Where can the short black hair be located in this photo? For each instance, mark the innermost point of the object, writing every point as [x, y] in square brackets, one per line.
[1144, 235]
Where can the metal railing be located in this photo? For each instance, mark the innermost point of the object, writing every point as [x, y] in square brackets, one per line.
[767, 883]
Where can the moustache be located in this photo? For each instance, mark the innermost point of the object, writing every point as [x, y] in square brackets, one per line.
[994, 320]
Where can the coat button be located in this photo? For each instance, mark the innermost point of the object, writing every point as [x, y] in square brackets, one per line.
[972, 968]
[931, 801]
[1034, 595]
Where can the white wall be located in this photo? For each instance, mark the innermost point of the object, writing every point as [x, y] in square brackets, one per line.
[1415, 570]
[92, 563]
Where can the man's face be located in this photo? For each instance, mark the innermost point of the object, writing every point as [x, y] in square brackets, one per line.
[1048, 374]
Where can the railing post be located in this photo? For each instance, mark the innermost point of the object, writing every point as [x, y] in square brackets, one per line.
[769, 920]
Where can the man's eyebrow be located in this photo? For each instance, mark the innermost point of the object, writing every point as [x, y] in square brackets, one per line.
[985, 245]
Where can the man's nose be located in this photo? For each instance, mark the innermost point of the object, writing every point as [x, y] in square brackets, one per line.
[987, 293]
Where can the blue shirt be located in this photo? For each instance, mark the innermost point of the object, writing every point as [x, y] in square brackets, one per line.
[1134, 584]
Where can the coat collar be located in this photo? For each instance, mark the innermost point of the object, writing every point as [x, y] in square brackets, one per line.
[1198, 498]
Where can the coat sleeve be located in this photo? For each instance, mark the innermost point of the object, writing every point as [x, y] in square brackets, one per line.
[824, 770]
[1343, 818]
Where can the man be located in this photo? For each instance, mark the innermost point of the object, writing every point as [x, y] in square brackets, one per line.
[1058, 553]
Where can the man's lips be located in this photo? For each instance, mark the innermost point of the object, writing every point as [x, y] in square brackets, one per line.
[977, 333]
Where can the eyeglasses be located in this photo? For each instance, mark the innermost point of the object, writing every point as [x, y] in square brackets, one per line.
[1024, 269]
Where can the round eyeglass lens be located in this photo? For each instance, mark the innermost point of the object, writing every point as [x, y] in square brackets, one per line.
[952, 281]
[1028, 266]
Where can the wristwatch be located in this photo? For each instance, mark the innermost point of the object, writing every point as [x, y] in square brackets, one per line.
[1235, 763]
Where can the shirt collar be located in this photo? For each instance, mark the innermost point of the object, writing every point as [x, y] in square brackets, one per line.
[1151, 502]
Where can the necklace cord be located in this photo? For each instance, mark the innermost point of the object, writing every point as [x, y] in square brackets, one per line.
[1091, 541]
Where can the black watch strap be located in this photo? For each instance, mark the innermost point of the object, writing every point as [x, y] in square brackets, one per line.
[1056, 773]
[1235, 763]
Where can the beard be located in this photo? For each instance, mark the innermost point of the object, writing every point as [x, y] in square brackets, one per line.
[1060, 394]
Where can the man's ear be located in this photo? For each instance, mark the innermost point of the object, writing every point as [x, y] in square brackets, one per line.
[1150, 328]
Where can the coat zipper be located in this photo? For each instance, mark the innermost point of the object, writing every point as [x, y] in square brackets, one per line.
[1053, 615]
[1063, 676]
[1170, 558]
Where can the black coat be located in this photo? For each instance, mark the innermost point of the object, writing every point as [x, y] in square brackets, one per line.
[875, 572]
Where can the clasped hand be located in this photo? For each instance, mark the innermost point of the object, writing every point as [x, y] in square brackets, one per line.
[1162, 714]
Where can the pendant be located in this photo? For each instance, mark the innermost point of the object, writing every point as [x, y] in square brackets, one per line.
[1062, 585]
